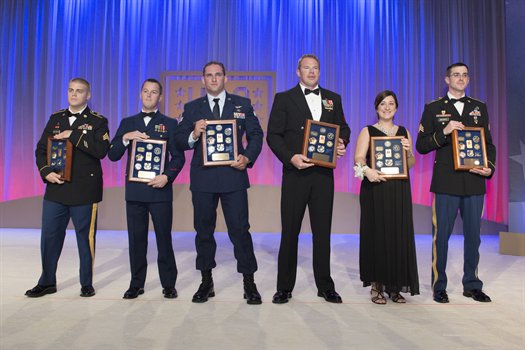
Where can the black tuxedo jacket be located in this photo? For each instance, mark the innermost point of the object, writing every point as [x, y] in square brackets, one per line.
[220, 179]
[160, 127]
[430, 138]
[90, 139]
[288, 120]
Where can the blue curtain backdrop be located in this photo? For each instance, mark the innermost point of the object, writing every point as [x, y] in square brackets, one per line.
[364, 45]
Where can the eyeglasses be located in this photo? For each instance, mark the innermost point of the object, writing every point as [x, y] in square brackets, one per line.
[459, 75]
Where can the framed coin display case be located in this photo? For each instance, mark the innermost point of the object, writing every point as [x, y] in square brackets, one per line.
[60, 157]
[320, 143]
[469, 148]
[147, 159]
[388, 156]
[219, 142]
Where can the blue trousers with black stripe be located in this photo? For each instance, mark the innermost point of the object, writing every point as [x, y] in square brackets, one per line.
[445, 209]
[55, 218]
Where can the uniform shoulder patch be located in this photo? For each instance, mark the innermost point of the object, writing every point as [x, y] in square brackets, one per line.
[436, 100]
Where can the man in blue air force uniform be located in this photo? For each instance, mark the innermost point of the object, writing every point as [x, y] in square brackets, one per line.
[153, 198]
[227, 183]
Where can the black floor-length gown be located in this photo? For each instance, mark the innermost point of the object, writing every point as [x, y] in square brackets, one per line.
[387, 251]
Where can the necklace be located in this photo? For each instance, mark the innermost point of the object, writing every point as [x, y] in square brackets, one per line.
[390, 132]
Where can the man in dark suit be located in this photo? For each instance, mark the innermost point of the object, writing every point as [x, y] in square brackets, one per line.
[153, 198]
[76, 199]
[227, 183]
[303, 183]
[455, 190]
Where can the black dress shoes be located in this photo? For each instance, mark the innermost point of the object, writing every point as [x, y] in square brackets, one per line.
[330, 296]
[170, 292]
[477, 295]
[87, 291]
[251, 294]
[204, 292]
[441, 297]
[133, 292]
[281, 297]
[40, 291]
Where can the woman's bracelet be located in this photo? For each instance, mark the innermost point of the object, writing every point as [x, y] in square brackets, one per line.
[359, 170]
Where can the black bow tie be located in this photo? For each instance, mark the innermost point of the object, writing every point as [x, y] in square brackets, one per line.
[147, 114]
[307, 91]
[76, 115]
[454, 100]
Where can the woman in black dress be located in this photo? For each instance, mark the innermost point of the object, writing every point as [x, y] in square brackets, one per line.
[387, 254]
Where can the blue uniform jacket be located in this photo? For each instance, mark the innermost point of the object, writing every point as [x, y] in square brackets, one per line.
[160, 127]
[220, 179]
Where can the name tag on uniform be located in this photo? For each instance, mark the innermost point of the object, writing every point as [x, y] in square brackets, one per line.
[443, 117]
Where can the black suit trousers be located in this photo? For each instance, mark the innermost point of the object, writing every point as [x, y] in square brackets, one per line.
[138, 221]
[235, 207]
[313, 188]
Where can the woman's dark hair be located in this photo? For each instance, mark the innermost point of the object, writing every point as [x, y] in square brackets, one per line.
[384, 94]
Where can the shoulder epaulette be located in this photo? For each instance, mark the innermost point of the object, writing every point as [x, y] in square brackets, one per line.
[437, 99]
[475, 99]
[96, 114]
[60, 111]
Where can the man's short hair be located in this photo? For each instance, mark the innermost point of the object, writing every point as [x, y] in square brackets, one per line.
[308, 55]
[453, 65]
[81, 81]
[211, 63]
[152, 80]
[384, 94]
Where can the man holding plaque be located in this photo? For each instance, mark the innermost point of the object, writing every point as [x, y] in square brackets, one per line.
[303, 183]
[228, 183]
[76, 199]
[152, 195]
[456, 190]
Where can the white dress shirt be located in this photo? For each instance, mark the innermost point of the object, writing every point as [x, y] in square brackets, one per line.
[314, 102]
[73, 118]
[459, 105]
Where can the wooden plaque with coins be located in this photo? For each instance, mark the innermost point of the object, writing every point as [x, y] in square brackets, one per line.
[147, 159]
[219, 142]
[320, 143]
[469, 148]
[60, 157]
[388, 156]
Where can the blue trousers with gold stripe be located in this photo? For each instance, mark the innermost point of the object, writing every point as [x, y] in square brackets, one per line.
[445, 210]
[55, 217]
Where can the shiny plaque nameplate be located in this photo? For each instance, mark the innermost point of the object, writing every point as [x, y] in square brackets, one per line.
[60, 157]
[219, 142]
[147, 159]
[469, 148]
[320, 143]
[388, 156]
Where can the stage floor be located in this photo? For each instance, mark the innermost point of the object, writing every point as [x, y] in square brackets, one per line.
[106, 321]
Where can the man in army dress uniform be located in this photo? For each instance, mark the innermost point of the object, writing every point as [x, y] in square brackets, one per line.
[455, 190]
[153, 198]
[76, 199]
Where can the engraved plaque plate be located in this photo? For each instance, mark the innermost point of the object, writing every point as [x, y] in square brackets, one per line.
[388, 156]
